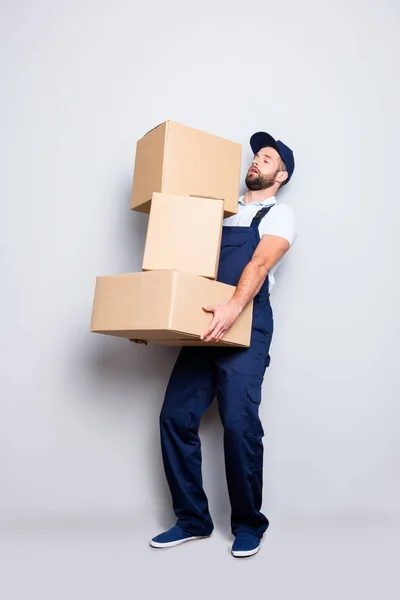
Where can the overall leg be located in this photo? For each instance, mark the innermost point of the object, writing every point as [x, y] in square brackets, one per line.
[240, 376]
[189, 393]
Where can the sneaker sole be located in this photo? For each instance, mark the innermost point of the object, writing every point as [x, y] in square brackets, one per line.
[243, 553]
[177, 542]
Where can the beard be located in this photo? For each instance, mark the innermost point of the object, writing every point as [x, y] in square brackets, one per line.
[260, 182]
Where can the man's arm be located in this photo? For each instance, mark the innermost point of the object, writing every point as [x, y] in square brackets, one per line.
[270, 249]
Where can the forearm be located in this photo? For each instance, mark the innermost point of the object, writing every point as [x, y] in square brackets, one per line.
[249, 284]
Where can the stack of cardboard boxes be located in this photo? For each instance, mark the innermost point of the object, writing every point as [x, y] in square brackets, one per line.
[187, 181]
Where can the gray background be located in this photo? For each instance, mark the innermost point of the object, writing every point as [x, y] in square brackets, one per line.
[82, 485]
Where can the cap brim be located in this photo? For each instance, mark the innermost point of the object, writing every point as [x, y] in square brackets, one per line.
[262, 140]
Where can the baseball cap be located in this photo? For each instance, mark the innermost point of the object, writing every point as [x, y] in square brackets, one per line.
[265, 140]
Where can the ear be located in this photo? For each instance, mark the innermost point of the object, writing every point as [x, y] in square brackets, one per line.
[282, 176]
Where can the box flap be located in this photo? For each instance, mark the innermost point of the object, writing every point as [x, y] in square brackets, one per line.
[156, 127]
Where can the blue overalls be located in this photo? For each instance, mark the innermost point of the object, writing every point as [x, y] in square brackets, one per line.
[235, 376]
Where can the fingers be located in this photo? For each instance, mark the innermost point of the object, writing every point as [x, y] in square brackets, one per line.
[209, 329]
[220, 334]
[216, 335]
[219, 325]
[209, 308]
[215, 332]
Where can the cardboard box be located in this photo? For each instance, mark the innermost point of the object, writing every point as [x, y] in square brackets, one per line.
[184, 233]
[175, 159]
[164, 308]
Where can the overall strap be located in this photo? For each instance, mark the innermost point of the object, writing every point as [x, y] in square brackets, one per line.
[260, 215]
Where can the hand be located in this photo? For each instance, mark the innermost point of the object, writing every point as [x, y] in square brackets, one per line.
[139, 342]
[224, 317]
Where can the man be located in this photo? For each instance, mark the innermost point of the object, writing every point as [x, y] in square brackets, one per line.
[253, 244]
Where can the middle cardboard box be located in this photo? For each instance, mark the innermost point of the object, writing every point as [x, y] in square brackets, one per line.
[184, 233]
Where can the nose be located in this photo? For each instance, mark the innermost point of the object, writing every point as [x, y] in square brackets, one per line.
[254, 163]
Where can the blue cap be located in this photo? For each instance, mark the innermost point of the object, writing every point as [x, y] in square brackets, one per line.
[265, 140]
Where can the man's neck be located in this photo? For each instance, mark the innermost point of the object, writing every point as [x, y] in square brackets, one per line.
[258, 195]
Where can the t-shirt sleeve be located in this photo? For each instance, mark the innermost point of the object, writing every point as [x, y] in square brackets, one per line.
[279, 221]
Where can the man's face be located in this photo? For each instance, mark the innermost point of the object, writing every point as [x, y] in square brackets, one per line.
[263, 170]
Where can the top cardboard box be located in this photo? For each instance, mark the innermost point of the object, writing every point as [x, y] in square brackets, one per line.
[176, 159]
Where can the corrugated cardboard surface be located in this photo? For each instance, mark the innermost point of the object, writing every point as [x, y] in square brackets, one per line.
[132, 301]
[149, 164]
[197, 291]
[188, 162]
[163, 307]
[184, 233]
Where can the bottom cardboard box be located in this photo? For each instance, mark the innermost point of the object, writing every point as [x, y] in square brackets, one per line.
[164, 308]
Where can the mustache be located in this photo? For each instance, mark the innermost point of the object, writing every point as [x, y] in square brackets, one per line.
[255, 168]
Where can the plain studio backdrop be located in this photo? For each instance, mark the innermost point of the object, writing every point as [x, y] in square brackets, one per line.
[81, 83]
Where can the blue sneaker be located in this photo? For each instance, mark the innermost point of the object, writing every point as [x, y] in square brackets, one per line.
[245, 544]
[173, 537]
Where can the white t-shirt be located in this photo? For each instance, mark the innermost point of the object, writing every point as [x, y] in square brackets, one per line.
[278, 221]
